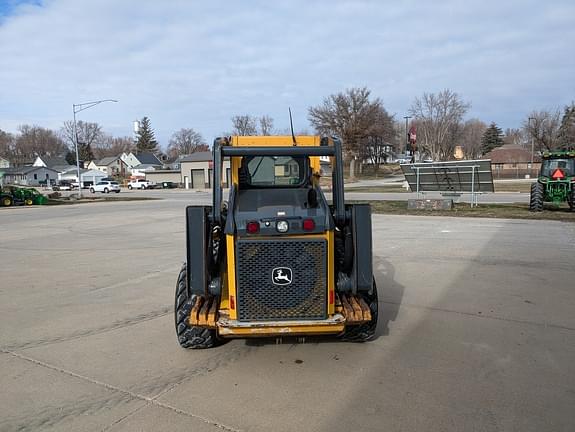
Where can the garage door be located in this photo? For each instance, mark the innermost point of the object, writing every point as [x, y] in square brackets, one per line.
[198, 179]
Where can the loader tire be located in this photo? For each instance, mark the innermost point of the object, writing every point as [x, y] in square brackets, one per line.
[536, 198]
[189, 336]
[364, 332]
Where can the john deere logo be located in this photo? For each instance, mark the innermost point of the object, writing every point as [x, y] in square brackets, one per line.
[281, 276]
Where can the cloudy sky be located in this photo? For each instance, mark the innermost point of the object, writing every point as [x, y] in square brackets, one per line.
[187, 63]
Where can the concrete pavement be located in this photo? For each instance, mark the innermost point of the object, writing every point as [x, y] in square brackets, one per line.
[477, 331]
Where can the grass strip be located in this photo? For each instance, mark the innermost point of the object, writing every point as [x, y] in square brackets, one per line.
[504, 211]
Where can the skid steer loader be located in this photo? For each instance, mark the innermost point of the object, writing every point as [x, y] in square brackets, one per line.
[276, 259]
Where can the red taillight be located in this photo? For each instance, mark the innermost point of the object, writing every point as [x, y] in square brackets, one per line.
[253, 227]
[331, 297]
[232, 302]
[308, 225]
[557, 174]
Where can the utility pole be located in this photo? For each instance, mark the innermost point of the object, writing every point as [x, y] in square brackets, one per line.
[76, 108]
[406, 134]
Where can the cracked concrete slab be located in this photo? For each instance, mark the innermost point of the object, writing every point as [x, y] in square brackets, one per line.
[37, 398]
[476, 331]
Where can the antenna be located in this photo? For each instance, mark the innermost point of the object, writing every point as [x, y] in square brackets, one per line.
[291, 125]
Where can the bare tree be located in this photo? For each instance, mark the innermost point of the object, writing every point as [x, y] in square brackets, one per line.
[287, 131]
[266, 125]
[186, 141]
[470, 138]
[437, 116]
[380, 139]
[6, 144]
[567, 128]
[348, 115]
[244, 125]
[112, 146]
[88, 133]
[513, 136]
[35, 141]
[543, 127]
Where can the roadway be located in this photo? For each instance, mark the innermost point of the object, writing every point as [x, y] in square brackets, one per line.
[477, 331]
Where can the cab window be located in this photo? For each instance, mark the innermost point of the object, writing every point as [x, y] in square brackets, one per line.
[270, 171]
[550, 165]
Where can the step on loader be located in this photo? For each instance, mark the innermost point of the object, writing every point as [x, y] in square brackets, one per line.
[276, 259]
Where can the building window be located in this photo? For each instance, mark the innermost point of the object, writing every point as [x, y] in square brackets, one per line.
[35, 176]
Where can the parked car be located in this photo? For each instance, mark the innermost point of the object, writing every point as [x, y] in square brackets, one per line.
[63, 186]
[141, 184]
[105, 187]
[169, 185]
[403, 160]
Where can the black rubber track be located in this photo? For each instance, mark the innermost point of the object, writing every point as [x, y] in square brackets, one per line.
[536, 198]
[189, 336]
[572, 200]
[364, 332]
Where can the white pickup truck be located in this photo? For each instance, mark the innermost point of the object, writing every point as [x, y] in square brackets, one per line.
[141, 184]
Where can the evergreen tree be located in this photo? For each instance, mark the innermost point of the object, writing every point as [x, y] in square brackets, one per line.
[567, 128]
[85, 152]
[71, 157]
[146, 142]
[492, 138]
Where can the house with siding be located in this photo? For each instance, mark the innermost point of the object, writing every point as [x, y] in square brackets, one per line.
[112, 166]
[59, 164]
[513, 161]
[88, 177]
[4, 163]
[142, 162]
[29, 175]
[196, 170]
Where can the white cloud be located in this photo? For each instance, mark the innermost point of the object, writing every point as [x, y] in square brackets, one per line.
[189, 64]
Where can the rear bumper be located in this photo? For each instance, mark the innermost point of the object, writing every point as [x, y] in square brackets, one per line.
[233, 328]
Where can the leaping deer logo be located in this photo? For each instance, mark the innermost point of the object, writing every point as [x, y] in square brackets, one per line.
[282, 276]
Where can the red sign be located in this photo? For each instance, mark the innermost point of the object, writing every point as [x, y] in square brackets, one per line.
[412, 134]
[557, 175]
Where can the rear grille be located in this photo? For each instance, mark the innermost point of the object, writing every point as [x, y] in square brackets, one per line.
[259, 298]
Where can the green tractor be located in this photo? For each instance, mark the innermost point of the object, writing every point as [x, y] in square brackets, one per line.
[13, 195]
[556, 182]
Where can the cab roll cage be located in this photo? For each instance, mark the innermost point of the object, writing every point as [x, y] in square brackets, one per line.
[223, 149]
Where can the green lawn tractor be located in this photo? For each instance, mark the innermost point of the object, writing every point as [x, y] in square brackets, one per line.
[13, 195]
[556, 182]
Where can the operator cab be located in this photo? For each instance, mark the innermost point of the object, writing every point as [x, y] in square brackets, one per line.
[548, 167]
[296, 206]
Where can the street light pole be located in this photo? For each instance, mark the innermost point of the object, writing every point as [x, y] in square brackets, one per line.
[532, 143]
[406, 134]
[76, 108]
